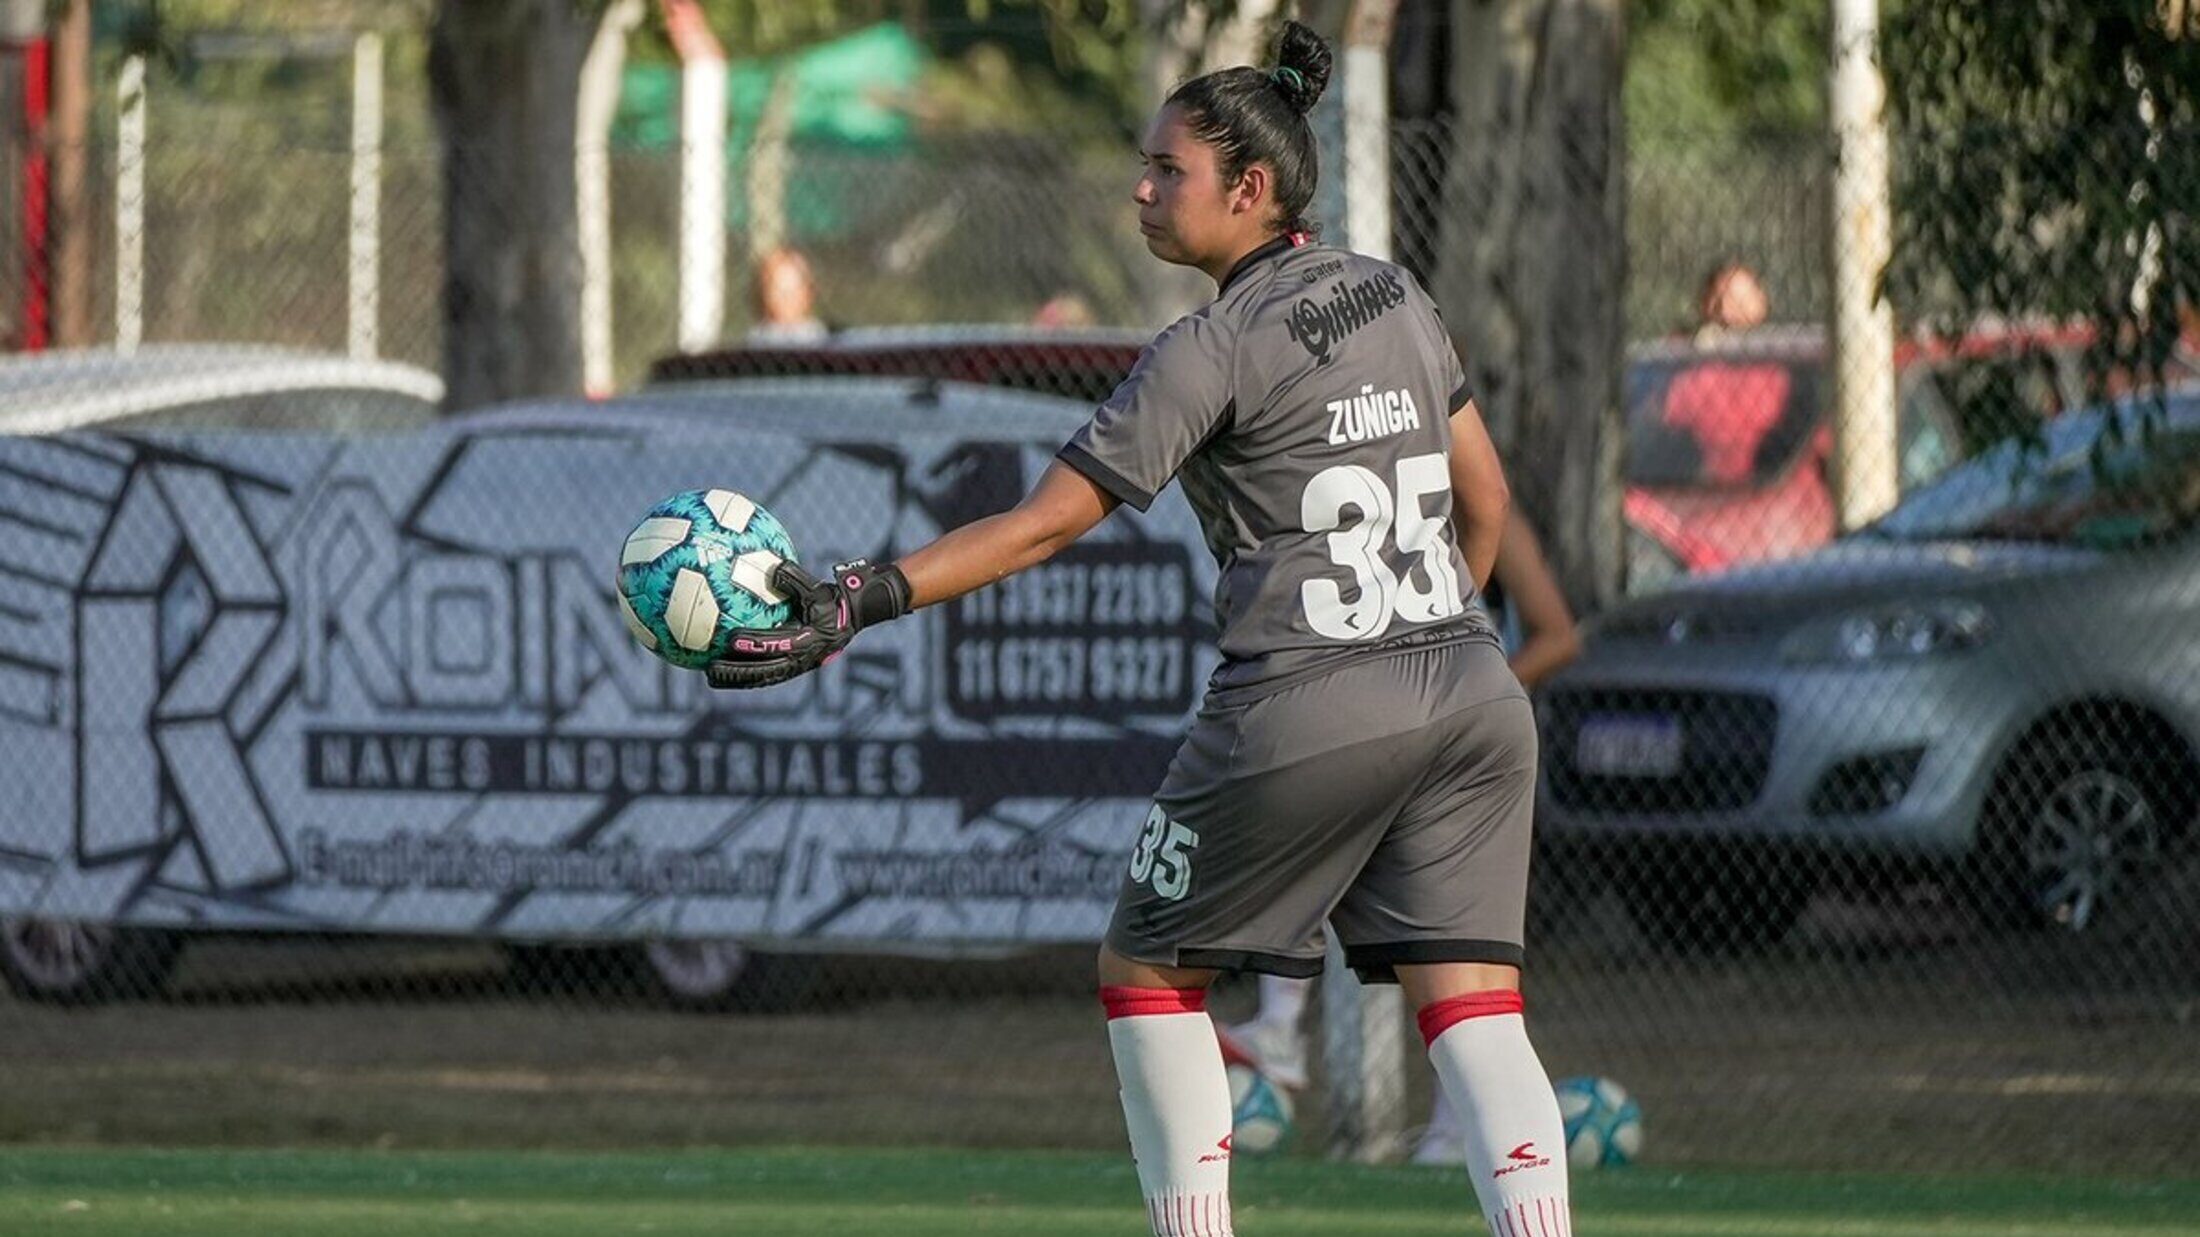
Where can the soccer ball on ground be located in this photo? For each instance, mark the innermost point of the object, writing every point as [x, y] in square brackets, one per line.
[1260, 1111]
[697, 569]
[1603, 1122]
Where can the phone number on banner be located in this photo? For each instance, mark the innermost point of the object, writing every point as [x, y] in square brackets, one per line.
[1134, 673]
[1102, 630]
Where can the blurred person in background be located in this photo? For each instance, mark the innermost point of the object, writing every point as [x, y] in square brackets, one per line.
[1726, 404]
[1733, 300]
[1524, 600]
[1064, 311]
[785, 295]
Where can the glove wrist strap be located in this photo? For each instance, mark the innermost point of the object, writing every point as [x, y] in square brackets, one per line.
[875, 594]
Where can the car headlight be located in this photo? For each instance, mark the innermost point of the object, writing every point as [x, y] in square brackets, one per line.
[1891, 633]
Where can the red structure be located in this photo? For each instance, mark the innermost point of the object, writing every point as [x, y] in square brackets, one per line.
[26, 56]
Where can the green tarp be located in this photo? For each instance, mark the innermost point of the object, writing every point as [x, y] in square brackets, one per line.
[846, 94]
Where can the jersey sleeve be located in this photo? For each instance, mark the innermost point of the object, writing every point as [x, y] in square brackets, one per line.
[1452, 373]
[1455, 374]
[1177, 397]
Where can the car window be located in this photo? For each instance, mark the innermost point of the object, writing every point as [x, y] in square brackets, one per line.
[335, 409]
[2098, 478]
[1991, 398]
[1719, 422]
[1930, 442]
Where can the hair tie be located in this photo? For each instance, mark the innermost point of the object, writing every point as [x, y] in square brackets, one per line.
[1296, 83]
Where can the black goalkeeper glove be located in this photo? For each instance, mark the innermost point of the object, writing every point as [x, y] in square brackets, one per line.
[827, 615]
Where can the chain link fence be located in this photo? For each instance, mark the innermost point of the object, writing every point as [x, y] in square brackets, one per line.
[1857, 851]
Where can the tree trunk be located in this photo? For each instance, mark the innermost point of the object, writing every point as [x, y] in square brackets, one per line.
[1530, 261]
[504, 77]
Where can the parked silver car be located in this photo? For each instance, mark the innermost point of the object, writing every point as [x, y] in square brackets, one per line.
[1997, 682]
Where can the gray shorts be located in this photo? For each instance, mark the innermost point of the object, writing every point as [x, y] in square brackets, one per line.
[1393, 798]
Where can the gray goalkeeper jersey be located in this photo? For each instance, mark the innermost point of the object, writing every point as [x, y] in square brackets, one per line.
[1307, 409]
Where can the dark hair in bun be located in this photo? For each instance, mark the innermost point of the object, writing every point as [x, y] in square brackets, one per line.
[1254, 116]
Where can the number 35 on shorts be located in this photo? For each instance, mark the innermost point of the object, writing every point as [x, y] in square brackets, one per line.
[1163, 858]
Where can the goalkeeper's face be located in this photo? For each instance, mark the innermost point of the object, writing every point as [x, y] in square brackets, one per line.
[1186, 213]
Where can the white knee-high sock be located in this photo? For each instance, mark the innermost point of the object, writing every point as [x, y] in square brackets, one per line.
[1176, 1101]
[1516, 1141]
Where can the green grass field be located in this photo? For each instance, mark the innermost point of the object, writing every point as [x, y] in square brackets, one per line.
[791, 1193]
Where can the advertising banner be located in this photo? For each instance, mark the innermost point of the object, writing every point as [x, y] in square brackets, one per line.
[381, 684]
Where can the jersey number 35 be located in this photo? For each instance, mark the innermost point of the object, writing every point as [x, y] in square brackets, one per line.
[1359, 548]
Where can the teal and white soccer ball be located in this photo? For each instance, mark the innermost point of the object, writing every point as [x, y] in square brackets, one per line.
[1260, 1111]
[697, 569]
[1603, 1122]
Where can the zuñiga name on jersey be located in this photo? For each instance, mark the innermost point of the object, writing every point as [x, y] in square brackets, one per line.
[1371, 414]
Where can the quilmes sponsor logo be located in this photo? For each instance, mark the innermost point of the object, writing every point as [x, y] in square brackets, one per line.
[1319, 322]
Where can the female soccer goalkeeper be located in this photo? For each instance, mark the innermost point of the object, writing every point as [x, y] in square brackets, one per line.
[1363, 754]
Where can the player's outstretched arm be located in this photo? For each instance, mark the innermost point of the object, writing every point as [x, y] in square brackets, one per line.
[1479, 495]
[829, 612]
[1062, 507]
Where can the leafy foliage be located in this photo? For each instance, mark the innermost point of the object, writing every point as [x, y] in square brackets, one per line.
[1029, 62]
[2049, 166]
[1710, 68]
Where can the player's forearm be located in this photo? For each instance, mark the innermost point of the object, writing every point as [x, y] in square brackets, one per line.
[980, 553]
[1062, 507]
[1545, 655]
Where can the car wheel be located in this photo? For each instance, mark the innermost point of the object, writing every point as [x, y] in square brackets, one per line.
[2077, 830]
[723, 975]
[1704, 909]
[81, 962]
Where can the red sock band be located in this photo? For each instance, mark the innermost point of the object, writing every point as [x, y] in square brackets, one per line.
[1438, 1017]
[1134, 1002]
